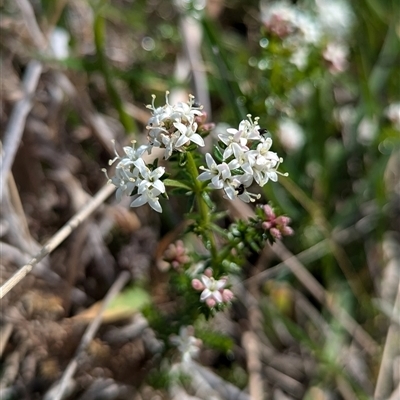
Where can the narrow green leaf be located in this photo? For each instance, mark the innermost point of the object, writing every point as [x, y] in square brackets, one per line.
[177, 184]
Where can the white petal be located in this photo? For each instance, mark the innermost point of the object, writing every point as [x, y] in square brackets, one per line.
[273, 176]
[245, 197]
[159, 185]
[181, 141]
[181, 128]
[224, 170]
[205, 176]
[206, 281]
[210, 161]
[233, 164]
[139, 201]
[155, 204]
[196, 138]
[246, 168]
[158, 173]
[220, 284]
[217, 296]
[227, 152]
[216, 183]
[205, 294]
[230, 192]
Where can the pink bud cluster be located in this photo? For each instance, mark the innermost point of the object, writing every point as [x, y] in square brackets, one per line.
[277, 226]
[176, 255]
[213, 291]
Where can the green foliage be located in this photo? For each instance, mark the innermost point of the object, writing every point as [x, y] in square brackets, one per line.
[214, 340]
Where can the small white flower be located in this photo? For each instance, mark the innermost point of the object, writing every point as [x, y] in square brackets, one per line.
[150, 178]
[336, 55]
[308, 27]
[59, 43]
[148, 196]
[124, 180]
[238, 138]
[336, 17]
[217, 173]
[173, 126]
[392, 112]
[188, 133]
[212, 288]
[237, 187]
[187, 344]
[245, 165]
[265, 168]
[131, 154]
[126, 176]
[367, 130]
[299, 58]
[291, 135]
[278, 17]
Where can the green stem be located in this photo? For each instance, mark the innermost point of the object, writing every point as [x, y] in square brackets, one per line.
[204, 211]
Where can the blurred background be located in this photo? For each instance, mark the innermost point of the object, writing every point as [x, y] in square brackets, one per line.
[314, 319]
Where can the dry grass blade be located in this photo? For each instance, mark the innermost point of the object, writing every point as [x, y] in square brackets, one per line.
[58, 237]
[31, 24]
[5, 333]
[254, 367]
[16, 123]
[226, 389]
[396, 394]
[191, 34]
[57, 392]
[391, 350]
[317, 290]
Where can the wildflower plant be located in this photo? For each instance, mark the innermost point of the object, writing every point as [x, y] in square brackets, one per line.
[242, 158]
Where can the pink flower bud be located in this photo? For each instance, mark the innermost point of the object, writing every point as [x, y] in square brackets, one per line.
[287, 231]
[208, 272]
[197, 285]
[282, 220]
[211, 302]
[275, 233]
[201, 119]
[266, 225]
[269, 212]
[227, 295]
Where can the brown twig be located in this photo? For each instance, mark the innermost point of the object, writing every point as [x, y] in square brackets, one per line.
[15, 127]
[396, 393]
[5, 332]
[31, 24]
[16, 123]
[254, 366]
[58, 237]
[57, 392]
[191, 34]
[391, 350]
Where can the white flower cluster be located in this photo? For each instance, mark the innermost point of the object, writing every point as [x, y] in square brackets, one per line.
[132, 173]
[301, 29]
[170, 127]
[174, 127]
[246, 158]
